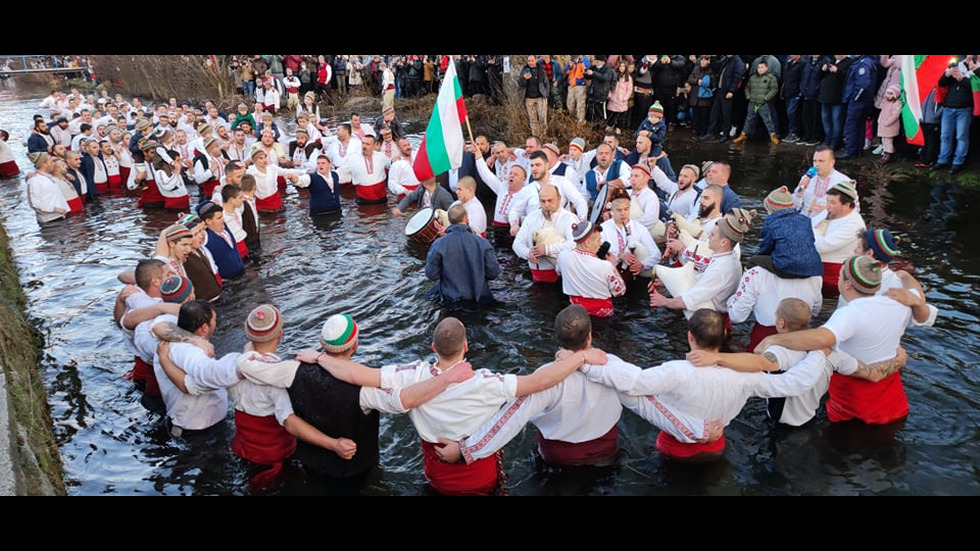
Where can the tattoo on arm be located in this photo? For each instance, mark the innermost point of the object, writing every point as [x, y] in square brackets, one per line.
[172, 333]
[879, 370]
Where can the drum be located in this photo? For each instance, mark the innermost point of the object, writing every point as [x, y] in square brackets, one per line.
[422, 226]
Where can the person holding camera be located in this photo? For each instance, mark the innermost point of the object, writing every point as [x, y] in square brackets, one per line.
[537, 87]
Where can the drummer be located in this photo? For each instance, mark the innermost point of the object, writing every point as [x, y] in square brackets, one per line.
[429, 195]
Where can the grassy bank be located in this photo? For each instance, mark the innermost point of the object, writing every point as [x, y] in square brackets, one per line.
[36, 458]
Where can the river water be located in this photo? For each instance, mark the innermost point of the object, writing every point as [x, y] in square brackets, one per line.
[359, 263]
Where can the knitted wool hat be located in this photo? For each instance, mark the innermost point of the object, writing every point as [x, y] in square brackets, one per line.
[148, 145]
[656, 108]
[189, 221]
[863, 273]
[847, 188]
[176, 289]
[735, 224]
[203, 128]
[779, 199]
[578, 143]
[177, 232]
[339, 333]
[883, 243]
[38, 158]
[705, 166]
[553, 148]
[263, 323]
[143, 125]
[582, 230]
[209, 142]
[642, 167]
[163, 134]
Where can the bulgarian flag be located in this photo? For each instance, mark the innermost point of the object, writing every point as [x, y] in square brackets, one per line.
[442, 145]
[920, 74]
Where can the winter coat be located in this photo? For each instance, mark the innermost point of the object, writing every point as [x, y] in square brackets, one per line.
[761, 88]
[697, 81]
[620, 94]
[893, 76]
[888, 119]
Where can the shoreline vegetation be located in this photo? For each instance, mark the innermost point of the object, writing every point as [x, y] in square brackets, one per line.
[35, 456]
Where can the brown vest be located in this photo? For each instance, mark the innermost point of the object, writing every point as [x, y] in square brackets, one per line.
[202, 277]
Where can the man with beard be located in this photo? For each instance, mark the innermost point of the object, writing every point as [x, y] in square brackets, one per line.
[699, 227]
[681, 195]
[527, 200]
[40, 140]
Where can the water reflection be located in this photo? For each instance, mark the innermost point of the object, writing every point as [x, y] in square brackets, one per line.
[358, 261]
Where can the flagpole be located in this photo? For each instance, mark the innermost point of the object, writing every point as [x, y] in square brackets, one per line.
[469, 129]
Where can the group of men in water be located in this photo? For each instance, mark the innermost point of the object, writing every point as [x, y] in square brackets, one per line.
[596, 221]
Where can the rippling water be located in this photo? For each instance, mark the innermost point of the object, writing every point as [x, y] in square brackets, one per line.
[359, 263]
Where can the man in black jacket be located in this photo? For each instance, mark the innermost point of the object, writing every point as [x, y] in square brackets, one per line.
[600, 78]
[957, 116]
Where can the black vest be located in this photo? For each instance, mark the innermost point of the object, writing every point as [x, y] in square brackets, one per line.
[333, 407]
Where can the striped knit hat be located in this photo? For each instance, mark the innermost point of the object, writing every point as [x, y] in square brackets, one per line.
[863, 273]
[339, 333]
[263, 323]
[735, 224]
[176, 289]
[656, 108]
[883, 243]
[582, 230]
[177, 232]
[148, 145]
[642, 167]
[847, 187]
[779, 199]
[578, 143]
[189, 221]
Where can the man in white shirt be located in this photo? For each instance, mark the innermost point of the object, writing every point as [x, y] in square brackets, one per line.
[720, 279]
[545, 233]
[810, 195]
[835, 232]
[466, 191]
[527, 200]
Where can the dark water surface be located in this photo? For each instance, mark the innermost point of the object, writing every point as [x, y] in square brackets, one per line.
[359, 263]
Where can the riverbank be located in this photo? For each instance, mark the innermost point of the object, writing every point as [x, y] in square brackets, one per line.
[30, 462]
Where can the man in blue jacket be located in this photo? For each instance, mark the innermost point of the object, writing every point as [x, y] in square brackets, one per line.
[858, 96]
[730, 73]
[462, 263]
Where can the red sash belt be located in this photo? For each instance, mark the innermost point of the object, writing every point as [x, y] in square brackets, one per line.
[151, 196]
[115, 181]
[671, 447]
[272, 203]
[242, 249]
[123, 174]
[208, 188]
[476, 478]
[281, 184]
[261, 440]
[143, 371]
[177, 203]
[544, 276]
[497, 224]
[874, 403]
[599, 451]
[75, 206]
[102, 187]
[9, 169]
[831, 273]
[599, 307]
[374, 192]
[292, 90]
[758, 333]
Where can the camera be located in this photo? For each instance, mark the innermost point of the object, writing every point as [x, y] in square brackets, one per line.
[603, 250]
